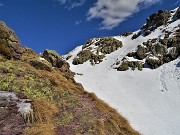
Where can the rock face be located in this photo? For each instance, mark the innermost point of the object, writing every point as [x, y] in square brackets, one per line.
[59, 104]
[141, 52]
[10, 45]
[56, 61]
[178, 13]
[95, 50]
[41, 64]
[54, 58]
[157, 19]
[13, 114]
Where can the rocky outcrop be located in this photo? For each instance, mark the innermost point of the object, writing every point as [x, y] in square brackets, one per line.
[15, 114]
[177, 15]
[136, 35]
[155, 52]
[86, 55]
[126, 64]
[59, 104]
[95, 50]
[10, 44]
[41, 64]
[157, 19]
[57, 62]
[54, 58]
[141, 52]
[126, 34]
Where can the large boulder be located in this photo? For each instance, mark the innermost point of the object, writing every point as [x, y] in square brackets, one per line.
[174, 52]
[15, 114]
[159, 48]
[10, 44]
[154, 61]
[41, 64]
[54, 58]
[56, 61]
[95, 53]
[141, 52]
[125, 65]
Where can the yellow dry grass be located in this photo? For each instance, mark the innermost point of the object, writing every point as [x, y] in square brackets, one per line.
[44, 111]
[115, 124]
[41, 129]
[43, 118]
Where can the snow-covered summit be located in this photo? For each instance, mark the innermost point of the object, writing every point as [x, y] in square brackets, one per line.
[149, 99]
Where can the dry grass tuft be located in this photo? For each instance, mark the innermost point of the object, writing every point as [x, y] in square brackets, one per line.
[44, 111]
[100, 127]
[115, 124]
[98, 118]
[41, 129]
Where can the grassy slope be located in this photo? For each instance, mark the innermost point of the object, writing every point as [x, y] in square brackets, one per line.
[61, 106]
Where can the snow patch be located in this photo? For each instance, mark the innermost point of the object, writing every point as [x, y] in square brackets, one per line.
[149, 99]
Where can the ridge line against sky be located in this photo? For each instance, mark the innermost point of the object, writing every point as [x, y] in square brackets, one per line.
[62, 25]
[111, 12]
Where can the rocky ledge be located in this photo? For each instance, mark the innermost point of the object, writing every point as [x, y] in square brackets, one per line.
[15, 113]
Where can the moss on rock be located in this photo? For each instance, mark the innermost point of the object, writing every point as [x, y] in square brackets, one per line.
[10, 45]
[105, 45]
[124, 66]
[141, 52]
[42, 65]
[154, 61]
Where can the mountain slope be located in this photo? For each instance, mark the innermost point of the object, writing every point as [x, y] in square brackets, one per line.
[39, 96]
[150, 98]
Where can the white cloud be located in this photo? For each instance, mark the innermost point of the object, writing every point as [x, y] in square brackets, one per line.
[77, 4]
[77, 22]
[113, 12]
[72, 3]
[61, 1]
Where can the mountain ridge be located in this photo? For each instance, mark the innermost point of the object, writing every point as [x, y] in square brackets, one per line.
[149, 98]
[42, 94]
[96, 49]
[38, 95]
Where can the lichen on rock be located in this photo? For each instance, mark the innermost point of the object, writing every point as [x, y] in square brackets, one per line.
[15, 113]
[95, 50]
[10, 44]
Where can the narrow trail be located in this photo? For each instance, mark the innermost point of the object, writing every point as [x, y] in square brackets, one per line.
[167, 73]
[162, 85]
[176, 72]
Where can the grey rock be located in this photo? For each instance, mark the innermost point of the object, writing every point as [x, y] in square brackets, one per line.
[10, 44]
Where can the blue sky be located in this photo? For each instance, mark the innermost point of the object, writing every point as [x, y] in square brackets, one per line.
[62, 25]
